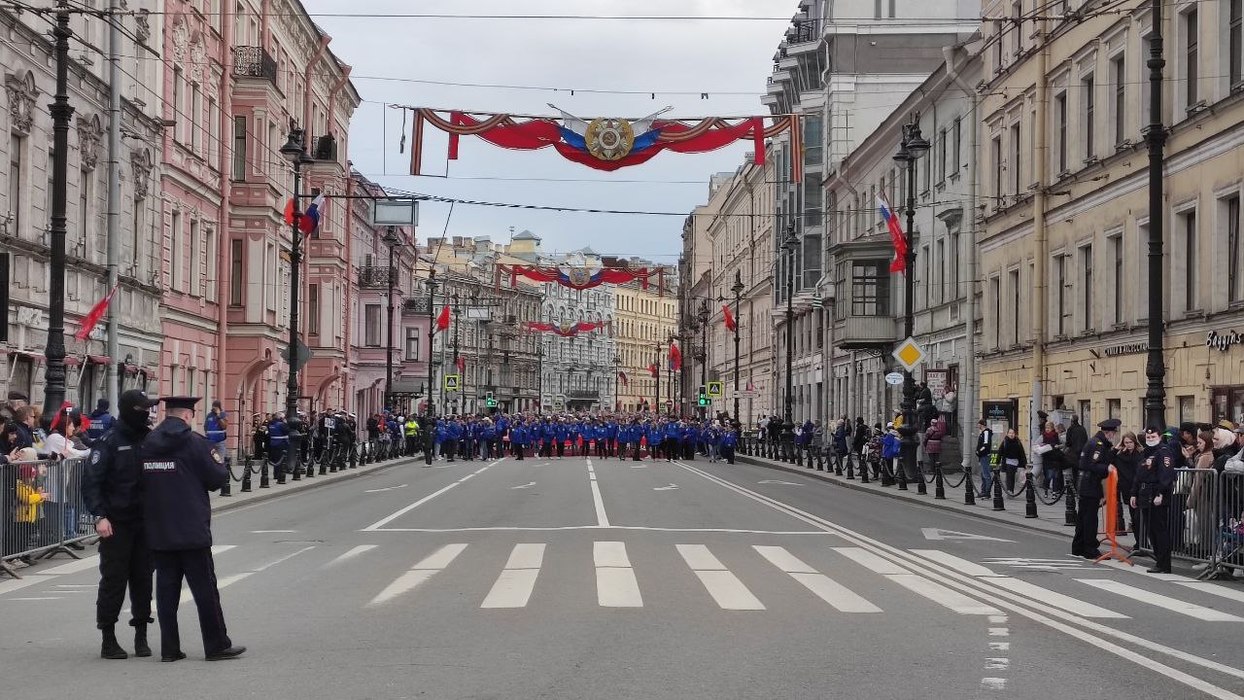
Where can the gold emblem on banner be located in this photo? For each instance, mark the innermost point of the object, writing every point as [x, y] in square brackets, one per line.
[610, 139]
[579, 276]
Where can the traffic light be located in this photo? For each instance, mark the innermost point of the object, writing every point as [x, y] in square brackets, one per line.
[490, 401]
[703, 397]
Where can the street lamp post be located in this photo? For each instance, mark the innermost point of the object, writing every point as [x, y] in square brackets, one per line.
[294, 151]
[392, 240]
[1155, 135]
[738, 300]
[617, 367]
[54, 350]
[703, 314]
[431, 283]
[656, 363]
[790, 245]
[912, 148]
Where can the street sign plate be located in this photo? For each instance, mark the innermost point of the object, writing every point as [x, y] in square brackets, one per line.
[715, 390]
[303, 355]
[909, 354]
[894, 378]
[452, 382]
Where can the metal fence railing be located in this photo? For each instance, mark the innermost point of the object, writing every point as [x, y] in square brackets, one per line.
[41, 510]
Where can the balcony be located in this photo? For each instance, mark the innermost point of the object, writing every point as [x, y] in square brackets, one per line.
[253, 62]
[803, 32]
[375, 277]
[325, 148]
[862, 332]
[415, 305]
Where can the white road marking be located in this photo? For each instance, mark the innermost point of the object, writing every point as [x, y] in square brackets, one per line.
[279, 560]
[420, 572]
[386, 520]
[784, 560]
[956, 563]
[999, 646]
[934, 533]
[943, 596]
[993, 683]
[997, 619]
[77, 585]
[524, 486]
[1055, 599]
[1037, 564]
[721, 584]
[1133, 569]
[602, 518]
[778, 482]
[870, 561]
[997, 663]
[840, 597]
[699, 558]
[387, 488]
[616, 586]
[1162, 601]
[639, 528]
[1215, 589]
[73, 567]
[514, 586]
[226, 581]
[353, 552]
[273, 532]
[671, 487]
[45, 597]
[999, 632]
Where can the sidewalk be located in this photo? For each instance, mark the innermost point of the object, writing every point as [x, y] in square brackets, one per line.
[256, 495]
[1050, 518]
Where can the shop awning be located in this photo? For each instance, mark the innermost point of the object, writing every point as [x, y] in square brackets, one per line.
[99, 359]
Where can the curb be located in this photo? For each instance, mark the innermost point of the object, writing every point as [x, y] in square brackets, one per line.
[931, 503]
[224, 504]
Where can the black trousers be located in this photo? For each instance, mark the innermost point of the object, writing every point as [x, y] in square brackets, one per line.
[124, 560]
[1085, 539]
[1157, 526]
[199, 571]
[518, 451]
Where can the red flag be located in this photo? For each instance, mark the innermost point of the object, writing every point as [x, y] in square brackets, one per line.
[652, 369]
[730, 324]
[461, 362]
[442, 321]
[623, 378]
[289, 212]
[92, 317]
[899, 264]
[675, 356]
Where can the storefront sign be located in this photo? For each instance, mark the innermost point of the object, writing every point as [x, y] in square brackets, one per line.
[1223, 341]
[1129, 349]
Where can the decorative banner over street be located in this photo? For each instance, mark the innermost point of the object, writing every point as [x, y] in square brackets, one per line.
[580, 277]
[565, 330]
[606, 143]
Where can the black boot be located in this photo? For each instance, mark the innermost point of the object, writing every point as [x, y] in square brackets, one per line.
[141, 649]
[110, 648]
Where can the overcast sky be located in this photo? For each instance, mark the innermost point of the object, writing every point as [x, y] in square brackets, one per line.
[699, 56]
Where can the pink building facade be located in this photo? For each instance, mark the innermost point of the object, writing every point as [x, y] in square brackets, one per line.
[239, 81]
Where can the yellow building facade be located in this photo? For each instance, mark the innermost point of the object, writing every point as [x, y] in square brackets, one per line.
[644, 321]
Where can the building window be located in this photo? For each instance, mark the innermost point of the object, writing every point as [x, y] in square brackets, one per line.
[1231, 212]
[1146, 43]
[1060, 124]
[371, 325]
[997, 170]
[239, 148]
[939, 264]
[1187, 409]
[209, 245]
[812, 202]
[1016, 157]
[1013, 279]
[412, 344]
[1236, 43]
[1060, 284]
[870, 288]
[1188, 229]
[1086, 274]
[1142, 244]
[941, 156]
[235, 272]
[313, 309]
[174, 247]
[1017, 11]
[17, 176]
[1114, 408]
[957, 147]
[1086, 412]
[1191, 57]
[1118, 73]
[1090, 107]
[996, 293]
[812, 154]
[196, 114]
[84, 210]
[194, 256]
[1120, 278]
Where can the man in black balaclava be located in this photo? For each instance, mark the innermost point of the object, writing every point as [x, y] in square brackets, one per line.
[110, 489]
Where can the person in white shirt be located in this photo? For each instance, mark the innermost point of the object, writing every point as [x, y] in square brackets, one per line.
[64, 475]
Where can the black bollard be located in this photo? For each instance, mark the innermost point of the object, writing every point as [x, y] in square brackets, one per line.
[246, 476]
[939, 481]
[850, 469]
[969, 488]
[1030, 496]
[864, 473]
[887, 476]
[998, 502]
[264, 482]
[921, 487]
[838, 466]
[323, 464]
[354, 457]
[1069, 495]
[902, 475]
[227, 489]
[799, 456]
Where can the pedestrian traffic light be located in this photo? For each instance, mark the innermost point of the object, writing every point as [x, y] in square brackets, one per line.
[490, 401]
[703, 397]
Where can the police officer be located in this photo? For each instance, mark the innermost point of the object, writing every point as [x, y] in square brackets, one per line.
[111, 492]
[1152, 491]
[216, 426]
[1094, 466]
[179, 468]
[278, 443]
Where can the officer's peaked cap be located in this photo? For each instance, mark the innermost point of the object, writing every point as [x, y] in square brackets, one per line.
[181, 402]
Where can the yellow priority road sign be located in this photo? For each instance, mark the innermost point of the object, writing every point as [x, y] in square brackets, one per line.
[452, 382]
[909, 354]
[714, 390]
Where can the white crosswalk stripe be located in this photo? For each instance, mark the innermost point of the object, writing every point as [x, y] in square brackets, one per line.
[721, 584]
[616, 586]
[518, 579]
[419, 573]
[825, 588]
[1172, 604]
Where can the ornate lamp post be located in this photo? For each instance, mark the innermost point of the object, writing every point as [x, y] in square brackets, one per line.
[790, 244]
[432, 285]
[294, 151]
[737, 288]
[702, 315]
[392, 240]
[912, 148]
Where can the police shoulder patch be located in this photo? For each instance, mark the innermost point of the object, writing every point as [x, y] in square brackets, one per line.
[1096, 456]
[95, 456]
[216, 456]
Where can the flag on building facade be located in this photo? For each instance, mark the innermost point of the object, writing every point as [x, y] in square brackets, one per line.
[675, 356]
[442, 321]
[652, 369]
[310, 219]
[899, 264]
[461, 362]
[95, 314]
[729, 318]
[290, 210]
[623, 378]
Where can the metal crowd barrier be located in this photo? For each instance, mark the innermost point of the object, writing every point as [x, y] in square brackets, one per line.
[41, 511]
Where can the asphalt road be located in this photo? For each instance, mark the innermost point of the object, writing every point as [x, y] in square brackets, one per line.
[615, 579]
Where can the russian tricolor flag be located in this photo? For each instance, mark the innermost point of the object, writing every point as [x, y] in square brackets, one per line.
[310, 219]
[899, 264]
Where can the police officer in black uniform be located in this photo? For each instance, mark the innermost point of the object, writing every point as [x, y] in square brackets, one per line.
[1152, 492]
[179, 469]
[111, 492]
[1094, 466]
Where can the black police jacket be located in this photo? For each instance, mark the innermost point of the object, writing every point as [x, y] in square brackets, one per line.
[179, 468]
[1155, 475]
[1095, 466]
[110, 482]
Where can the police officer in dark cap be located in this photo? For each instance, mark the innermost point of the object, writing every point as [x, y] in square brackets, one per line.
[111, 492]
[1094, 466]
[180, 467]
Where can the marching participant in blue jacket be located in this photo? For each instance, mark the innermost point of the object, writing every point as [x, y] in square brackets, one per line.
[278, 442]
[729, 438]
[519, 438]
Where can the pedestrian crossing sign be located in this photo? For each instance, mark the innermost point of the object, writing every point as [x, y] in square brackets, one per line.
[452, 382]
[714, 390]
[909, 354]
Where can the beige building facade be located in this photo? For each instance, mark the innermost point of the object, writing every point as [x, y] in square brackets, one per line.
[644, 320]
[1063, 251]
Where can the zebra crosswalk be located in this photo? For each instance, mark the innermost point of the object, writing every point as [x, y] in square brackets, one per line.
[733, 577]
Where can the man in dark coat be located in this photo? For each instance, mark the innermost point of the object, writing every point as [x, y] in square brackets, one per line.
[180, 467]
[1094, 466]
[111, 492]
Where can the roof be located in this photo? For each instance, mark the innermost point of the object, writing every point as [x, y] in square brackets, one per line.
[526, 235]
